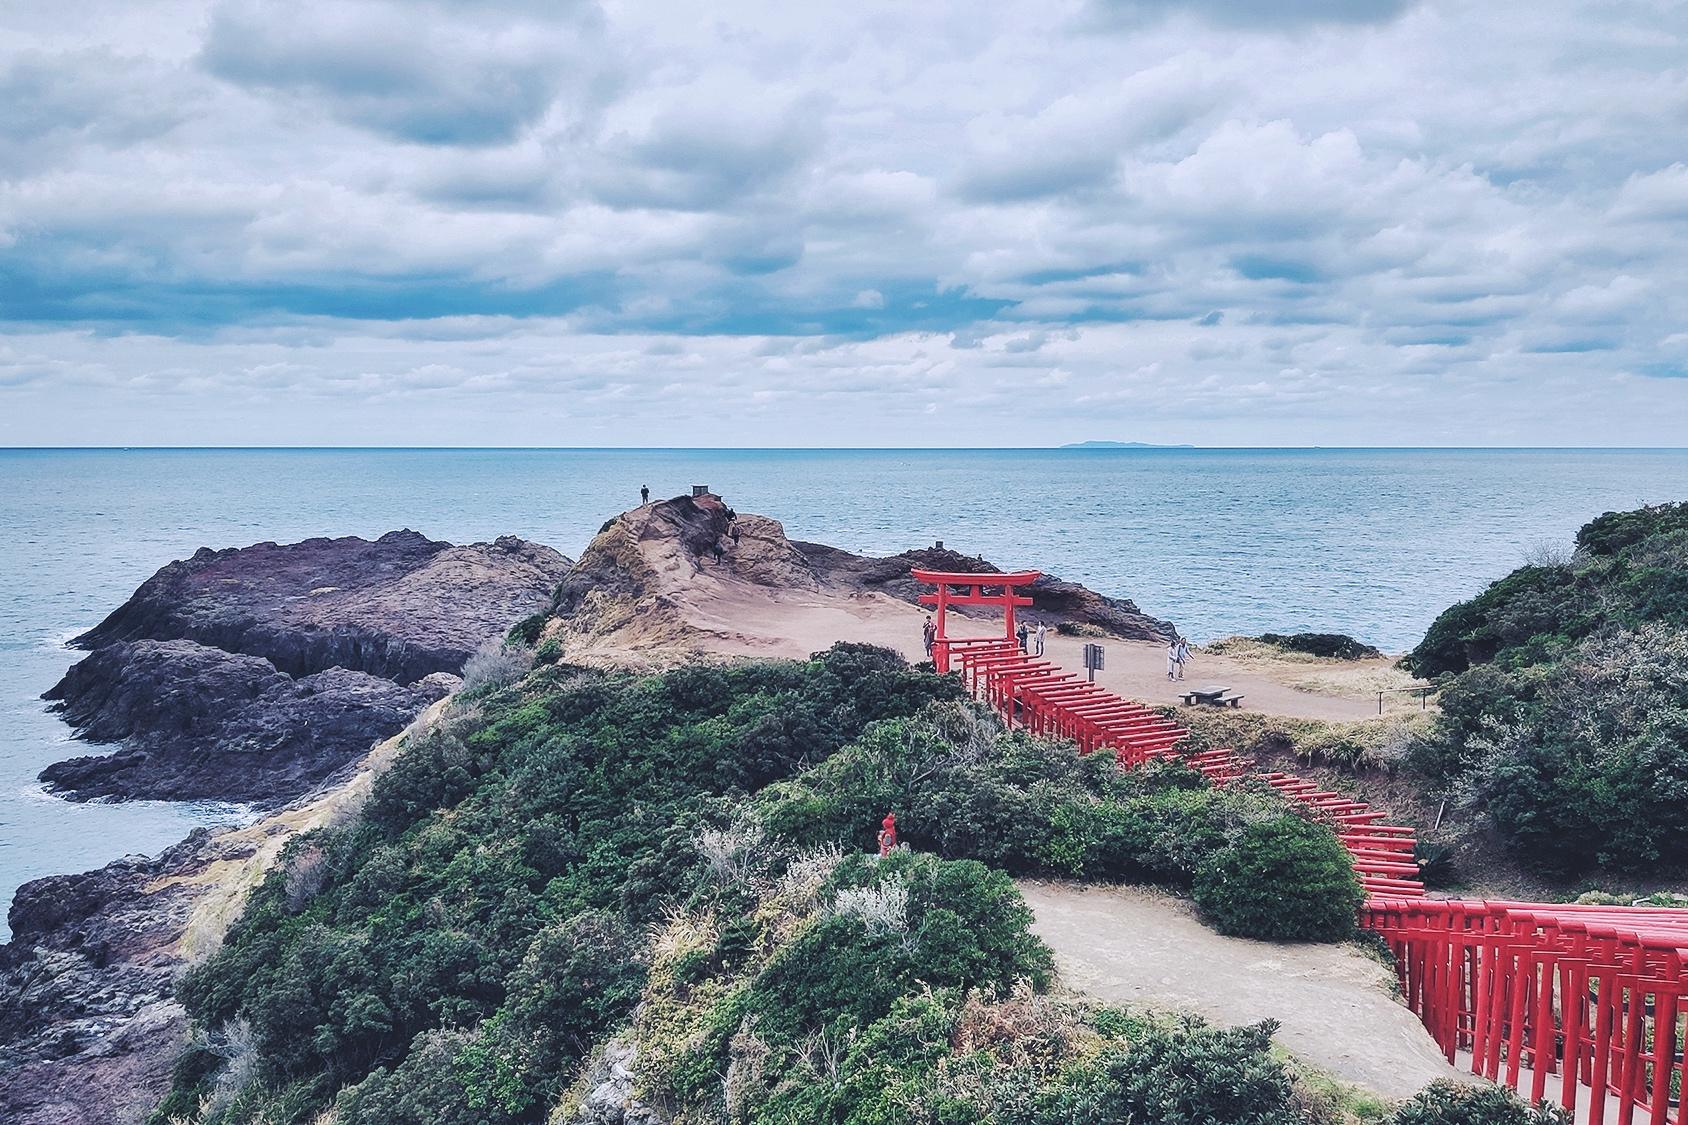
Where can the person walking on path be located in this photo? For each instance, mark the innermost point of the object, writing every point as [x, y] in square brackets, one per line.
[1020, 634]
[1177, 655]
[1039, 636]
[929, 634]
[887, 834]
[644, 494]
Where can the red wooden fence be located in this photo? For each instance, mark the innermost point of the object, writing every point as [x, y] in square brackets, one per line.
[1584, 1005]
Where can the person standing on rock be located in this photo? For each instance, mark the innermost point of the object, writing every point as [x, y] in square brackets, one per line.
[929, 634]
[1039, 637]
[644, 494]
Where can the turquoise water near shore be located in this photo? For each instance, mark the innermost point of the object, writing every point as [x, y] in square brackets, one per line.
[1369, 542]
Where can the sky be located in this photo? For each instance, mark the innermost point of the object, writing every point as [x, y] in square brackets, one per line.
[746, 223]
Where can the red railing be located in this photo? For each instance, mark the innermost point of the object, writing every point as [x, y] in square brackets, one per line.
[1586, 1004]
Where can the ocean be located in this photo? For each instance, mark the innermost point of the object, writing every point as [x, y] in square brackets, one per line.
[1368, 542]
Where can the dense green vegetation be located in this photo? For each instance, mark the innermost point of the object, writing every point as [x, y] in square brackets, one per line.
[961, 788]
[1565, 711]
[470, 936]
[456, 952]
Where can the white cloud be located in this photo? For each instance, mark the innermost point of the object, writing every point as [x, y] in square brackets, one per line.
[1205, 221]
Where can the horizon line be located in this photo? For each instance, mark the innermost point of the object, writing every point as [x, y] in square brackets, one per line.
[1073, 447]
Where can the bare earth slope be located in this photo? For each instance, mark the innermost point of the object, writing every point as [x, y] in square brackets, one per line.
[1141, 947]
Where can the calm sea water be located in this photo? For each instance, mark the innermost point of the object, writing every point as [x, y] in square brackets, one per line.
[1368, 542]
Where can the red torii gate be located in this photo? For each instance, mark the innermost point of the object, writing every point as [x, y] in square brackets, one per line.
[973, 594]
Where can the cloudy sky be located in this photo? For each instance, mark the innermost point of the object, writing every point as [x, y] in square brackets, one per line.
[562, 222]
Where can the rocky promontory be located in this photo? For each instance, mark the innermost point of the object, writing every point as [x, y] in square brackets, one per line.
[253, 673]
[691, 574]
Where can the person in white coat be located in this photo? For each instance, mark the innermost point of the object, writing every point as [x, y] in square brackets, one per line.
[1037, 638]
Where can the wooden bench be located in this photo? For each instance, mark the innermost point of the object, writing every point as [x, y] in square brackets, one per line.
[1212, 696]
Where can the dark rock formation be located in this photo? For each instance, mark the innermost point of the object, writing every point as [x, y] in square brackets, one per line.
[191, 718]
[399, 607]
[88, 1030]
[252, 674]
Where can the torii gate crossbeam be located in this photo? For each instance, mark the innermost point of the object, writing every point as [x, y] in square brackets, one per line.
[955, 588]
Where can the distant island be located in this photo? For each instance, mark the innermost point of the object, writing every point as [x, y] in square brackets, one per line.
[1120, 445]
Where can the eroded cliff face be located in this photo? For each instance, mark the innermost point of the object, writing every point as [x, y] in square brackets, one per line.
[398, 607]
[252, 674]
[88, 1026]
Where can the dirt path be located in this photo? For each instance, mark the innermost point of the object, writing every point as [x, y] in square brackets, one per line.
[1144, 947]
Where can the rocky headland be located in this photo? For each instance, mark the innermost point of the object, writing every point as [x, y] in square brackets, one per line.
[251, 674]
[689, 575]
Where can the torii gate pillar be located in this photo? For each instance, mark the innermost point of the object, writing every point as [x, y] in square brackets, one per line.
[1005, 593]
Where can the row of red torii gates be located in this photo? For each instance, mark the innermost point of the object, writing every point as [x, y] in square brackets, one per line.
[1583, 1005]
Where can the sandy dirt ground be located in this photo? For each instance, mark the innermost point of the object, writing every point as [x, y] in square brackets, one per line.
[747, 619]
[1135, 946]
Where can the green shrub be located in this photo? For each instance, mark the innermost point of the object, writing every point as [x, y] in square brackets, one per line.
[527, 630]
[1189, 1075]
[1531, 601]
[1437, 869]
[1282, 879]
[549, 651]
[1339, 646]
[1449, 1103]
[1580, 762]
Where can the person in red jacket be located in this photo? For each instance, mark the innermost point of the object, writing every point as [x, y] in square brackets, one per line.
[887, 834]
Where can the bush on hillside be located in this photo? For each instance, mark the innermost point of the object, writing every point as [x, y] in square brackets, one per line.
[813, 1003]
[1283, 879]
[1338, 646]
[497, 664]
[1189, 1075]
[1564, 721]
[1533, 601]
[527, 630]
[1580, 762]
[1450, 1103]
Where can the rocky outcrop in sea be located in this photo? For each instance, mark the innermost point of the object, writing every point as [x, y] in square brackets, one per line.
[254, 673]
